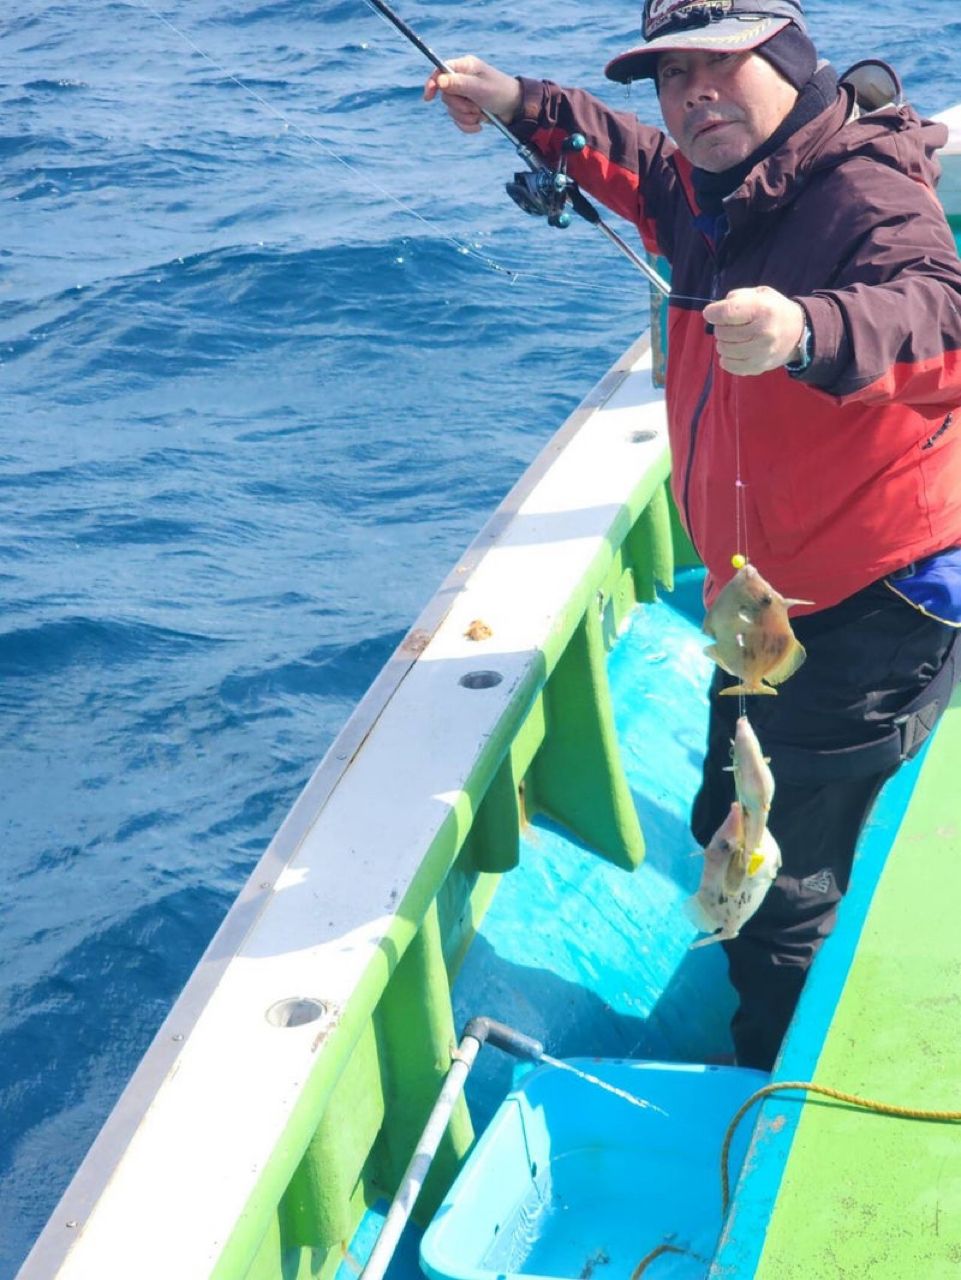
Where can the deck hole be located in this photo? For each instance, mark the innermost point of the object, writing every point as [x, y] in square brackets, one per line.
[645, 433]
[296, 1012]
[481, 679]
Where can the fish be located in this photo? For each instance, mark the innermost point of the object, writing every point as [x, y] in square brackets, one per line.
[725, 843]
[724, 908]
[754, 788]
[752, 634]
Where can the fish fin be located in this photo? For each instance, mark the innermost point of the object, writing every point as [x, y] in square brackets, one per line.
[733, 876]
[721, 936]
[788, 665]
[712, 651]
[749, 689]
[697, 915]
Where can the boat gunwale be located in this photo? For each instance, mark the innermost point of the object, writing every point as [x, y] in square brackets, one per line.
[98, 1168]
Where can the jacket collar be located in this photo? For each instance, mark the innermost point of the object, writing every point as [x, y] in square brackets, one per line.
[775, 180]
[892, 135]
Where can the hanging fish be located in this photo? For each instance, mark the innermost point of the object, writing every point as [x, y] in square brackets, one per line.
[724, 903]
[752, 633]
[754, 787]
[726, 842]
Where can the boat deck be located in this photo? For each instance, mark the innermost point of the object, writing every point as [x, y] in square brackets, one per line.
[574, 952]
[589, 959]
[861, 1193]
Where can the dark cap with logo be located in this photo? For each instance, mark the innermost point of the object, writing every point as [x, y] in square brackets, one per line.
[723, 26]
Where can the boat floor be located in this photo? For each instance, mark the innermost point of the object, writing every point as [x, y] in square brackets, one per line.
[594, 961]
[843, 1191]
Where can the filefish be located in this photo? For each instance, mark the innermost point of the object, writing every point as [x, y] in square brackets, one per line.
[752, 633]
[726, 842]
[720, 907]
[754, 787]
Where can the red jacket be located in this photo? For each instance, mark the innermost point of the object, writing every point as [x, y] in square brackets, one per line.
[852, 468]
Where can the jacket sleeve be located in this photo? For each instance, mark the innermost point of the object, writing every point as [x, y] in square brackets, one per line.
[888, 329]
[626, 164]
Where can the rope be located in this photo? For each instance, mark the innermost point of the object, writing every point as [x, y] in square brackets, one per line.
[869, 1104]
[648, 1258]
[807, 1086]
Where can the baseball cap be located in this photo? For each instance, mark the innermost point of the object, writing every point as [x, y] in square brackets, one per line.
[725, 26]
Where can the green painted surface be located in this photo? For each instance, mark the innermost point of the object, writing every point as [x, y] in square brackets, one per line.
[315, 1208]
[495, 834]
[870, 1195]
[416, 1036]
[578, 777]
[554, 748]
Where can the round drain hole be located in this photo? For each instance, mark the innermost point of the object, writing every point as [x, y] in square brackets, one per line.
[296, 1012]
[481, 679]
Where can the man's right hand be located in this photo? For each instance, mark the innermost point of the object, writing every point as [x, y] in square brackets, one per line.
[472, 86]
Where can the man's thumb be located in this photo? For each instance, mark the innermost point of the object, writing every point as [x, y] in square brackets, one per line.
[452, 82]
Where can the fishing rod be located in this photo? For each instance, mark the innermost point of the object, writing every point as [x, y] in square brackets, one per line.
[543, 191]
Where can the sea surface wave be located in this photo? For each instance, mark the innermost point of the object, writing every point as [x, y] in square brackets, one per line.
[273, 343]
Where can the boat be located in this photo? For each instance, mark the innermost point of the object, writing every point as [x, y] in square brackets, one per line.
[474, 905]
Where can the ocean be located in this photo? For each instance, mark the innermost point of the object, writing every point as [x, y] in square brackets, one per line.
[273, 343]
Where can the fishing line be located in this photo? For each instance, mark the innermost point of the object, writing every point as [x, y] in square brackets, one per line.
[741, 556]
[513, 274]
[543, 191]
[312, 138]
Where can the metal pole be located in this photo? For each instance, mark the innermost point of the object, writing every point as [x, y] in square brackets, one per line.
[531, 157]
[478, 1032]
[420, 1162]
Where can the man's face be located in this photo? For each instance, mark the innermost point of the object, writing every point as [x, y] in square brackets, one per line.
[719, 107]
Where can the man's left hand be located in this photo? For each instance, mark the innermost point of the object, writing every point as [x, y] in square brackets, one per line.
[756, 330]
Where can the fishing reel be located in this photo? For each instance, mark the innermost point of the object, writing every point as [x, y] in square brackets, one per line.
[545, 192]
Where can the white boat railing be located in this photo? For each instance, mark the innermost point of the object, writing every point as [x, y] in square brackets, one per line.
[185, 1177]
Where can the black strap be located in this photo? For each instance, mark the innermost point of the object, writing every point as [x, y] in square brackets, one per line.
[911, 728]
[920, 715]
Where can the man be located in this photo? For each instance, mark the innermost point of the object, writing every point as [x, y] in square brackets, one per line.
[813, 408]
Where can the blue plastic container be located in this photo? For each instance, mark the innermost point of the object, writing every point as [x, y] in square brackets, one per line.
[572, 1181]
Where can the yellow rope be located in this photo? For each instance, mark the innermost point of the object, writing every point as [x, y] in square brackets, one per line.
[807, 1086]
[884, 1108]
[655, 1253]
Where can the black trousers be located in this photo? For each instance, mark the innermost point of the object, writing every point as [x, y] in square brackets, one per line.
[877, 676]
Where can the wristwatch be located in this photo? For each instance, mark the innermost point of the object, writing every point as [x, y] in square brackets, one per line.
[804, 346]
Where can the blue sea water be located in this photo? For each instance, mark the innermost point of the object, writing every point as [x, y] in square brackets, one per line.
[273, 342]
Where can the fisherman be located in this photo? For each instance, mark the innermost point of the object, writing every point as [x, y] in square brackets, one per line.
[813, 408]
